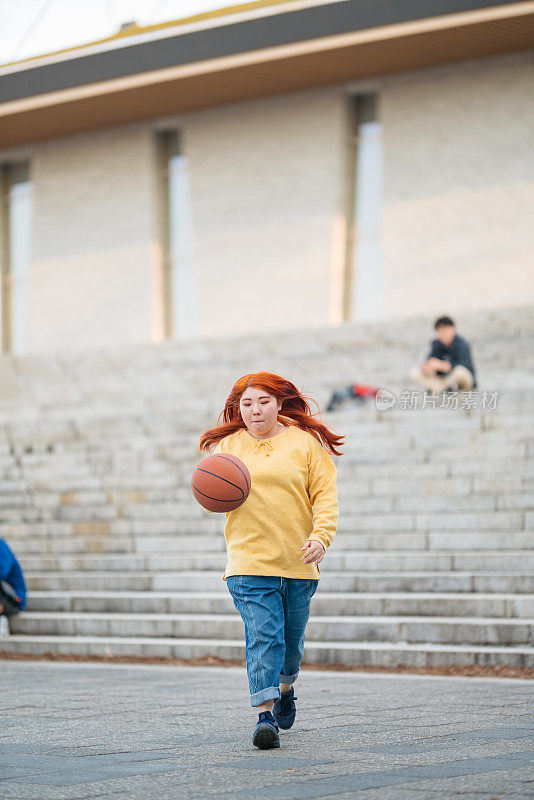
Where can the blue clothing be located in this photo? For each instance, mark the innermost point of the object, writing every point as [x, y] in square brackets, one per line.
[11, 572]
[458, 352]
[275, 611]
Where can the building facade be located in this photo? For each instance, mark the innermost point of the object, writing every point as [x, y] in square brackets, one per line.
[380, 171]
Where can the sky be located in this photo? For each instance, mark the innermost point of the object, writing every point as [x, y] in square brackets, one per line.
[34, 27]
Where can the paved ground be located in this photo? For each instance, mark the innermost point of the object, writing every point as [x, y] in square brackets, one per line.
[112, 731]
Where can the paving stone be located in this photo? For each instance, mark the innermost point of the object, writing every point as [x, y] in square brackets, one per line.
[76, 731]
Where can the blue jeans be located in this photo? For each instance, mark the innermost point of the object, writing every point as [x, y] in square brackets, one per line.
[275, 611]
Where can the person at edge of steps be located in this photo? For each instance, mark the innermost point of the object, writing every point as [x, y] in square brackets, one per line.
[12, 587]
[449, 365]
[276, 539]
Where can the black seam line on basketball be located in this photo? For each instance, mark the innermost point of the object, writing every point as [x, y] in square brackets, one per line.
[213, 475]
[217, 499]
[236, 465]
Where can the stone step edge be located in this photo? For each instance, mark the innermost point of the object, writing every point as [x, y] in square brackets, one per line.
[209, 617]
[108, 641]
[201, 553]
[147, 407]
[216, 574]
[101, 595]
[133, 537]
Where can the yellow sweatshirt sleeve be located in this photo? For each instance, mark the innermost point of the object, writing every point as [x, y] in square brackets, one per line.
[322, 490]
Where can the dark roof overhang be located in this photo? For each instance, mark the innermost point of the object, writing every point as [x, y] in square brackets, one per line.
[242, 57]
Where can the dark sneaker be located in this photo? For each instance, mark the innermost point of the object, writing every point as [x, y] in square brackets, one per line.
[284, 709]
[266, 732]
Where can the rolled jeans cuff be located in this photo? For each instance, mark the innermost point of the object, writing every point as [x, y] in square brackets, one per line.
[269, 693]
[289, 678]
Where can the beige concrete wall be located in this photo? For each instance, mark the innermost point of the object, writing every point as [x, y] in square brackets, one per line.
[267, 190]
[266, 181]
[90, 282]
[459, 182]
[266, 178]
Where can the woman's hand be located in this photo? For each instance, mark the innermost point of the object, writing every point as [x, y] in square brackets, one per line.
[314, 552]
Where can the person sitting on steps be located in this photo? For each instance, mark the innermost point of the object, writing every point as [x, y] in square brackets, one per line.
[449, 365]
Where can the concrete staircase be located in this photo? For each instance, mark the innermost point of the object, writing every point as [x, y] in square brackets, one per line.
[433, 562]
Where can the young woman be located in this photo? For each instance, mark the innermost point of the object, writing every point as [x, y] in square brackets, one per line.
[276, 539]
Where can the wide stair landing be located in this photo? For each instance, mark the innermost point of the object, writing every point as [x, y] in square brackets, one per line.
[433, 562]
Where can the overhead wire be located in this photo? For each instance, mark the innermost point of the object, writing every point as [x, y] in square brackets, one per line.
[31, 27]
[158, 5]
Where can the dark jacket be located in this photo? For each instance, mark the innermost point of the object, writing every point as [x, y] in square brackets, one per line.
[457, 353]
[11, 572]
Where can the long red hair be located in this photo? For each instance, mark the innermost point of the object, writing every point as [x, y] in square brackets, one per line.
[294, 407]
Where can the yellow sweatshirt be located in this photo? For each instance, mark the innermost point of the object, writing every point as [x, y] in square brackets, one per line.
[293, 497]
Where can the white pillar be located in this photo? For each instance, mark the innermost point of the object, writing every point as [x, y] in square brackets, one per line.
[368, 283]
[183, 289]
[20, 235]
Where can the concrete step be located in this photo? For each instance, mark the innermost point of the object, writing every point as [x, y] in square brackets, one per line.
[478, 540]
[350, 504]
[371, 440]
[354, 516]
[348, 522]
[516, 582]
[388, 654]
[172, 543]
[203, 525]
[329, 350]
[115, 483]
[179, 543]
[490, 428]
[139, 491]
[323, 603]
[86, 496]
[443, 630]
[63, 429]
[447, 520]
[324, 373]
[409, 560]
[19, 494]
[447, 469]
[29, 510]
[208, 524]
[213, 524]
[326, 361]
[369, 455]
[140, 407]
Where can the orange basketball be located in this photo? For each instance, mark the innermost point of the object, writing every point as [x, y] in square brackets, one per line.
[220, 482]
